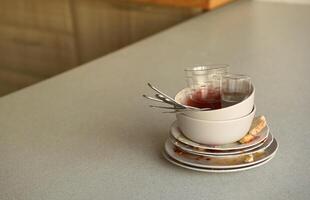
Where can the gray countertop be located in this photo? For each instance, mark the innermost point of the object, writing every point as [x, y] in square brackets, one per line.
[88, 134]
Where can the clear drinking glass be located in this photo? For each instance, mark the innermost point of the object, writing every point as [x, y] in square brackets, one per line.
[235, 88]
[205, 83]
[206, 70]
[205, 94]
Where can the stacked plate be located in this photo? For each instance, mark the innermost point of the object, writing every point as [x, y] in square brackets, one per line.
[232, 157]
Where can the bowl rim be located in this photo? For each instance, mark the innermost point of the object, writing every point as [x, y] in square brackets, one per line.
[221, 109]
[219, 121]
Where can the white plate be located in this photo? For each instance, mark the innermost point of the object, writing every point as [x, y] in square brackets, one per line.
[219, 163]
[213, 153]
[167, 157]
[178, 135]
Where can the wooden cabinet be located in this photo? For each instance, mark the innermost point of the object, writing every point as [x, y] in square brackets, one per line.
[104, 26]
[36, 41]
[45, 15]
[101, 28]
[12, 80]
[36, 52]
[41, 38]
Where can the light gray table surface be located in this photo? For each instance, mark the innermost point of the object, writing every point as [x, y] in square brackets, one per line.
[88, 133]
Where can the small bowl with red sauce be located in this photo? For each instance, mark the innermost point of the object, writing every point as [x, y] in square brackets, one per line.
[219, 110]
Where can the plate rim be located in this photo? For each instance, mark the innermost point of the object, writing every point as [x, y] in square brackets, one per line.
[221, 166]
[175, 127]
[212, 170]
[251, 150]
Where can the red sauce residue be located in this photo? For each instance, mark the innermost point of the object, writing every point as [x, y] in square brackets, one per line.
[205, 98]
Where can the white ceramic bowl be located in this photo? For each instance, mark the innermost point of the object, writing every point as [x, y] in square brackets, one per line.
[215, 132]
[238, 110]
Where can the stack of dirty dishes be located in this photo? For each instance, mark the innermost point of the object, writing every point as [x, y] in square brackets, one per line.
[230, 157]
[227, 137]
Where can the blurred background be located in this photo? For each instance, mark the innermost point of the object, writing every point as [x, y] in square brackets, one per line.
[42, 38]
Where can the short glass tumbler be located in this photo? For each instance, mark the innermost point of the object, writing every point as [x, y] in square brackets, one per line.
[206, 70]
[204, 84]
[235, 88]
[204, 94]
